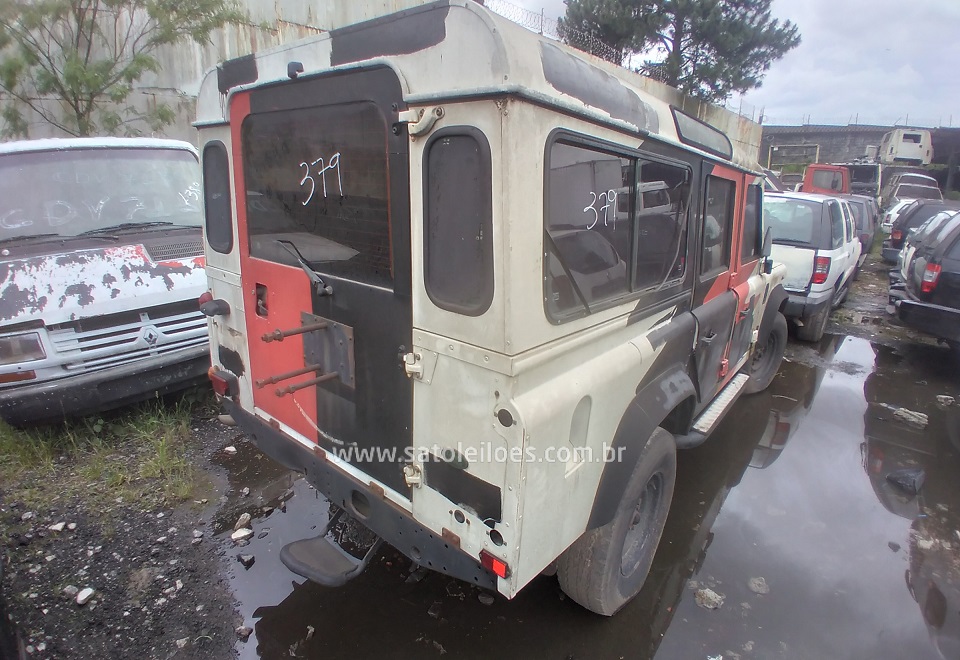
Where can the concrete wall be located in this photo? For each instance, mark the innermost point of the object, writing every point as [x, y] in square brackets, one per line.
[272, 22]
[824, 144]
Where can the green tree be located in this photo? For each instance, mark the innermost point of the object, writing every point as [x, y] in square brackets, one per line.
[707, 48]
[615, 23]
[75, 62]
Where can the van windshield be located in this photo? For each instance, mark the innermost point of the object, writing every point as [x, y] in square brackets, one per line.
[792, 221]
[77, 191]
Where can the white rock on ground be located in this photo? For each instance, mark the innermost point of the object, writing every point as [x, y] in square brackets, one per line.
[242, 521]
[58, 527]
[242, 534]
[230, 449]
[758, 585]
[709, 599]
[84, 596]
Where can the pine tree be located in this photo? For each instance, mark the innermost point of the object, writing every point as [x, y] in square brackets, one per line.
[706, 48]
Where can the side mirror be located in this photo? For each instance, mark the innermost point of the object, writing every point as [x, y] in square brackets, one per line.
[765, 252]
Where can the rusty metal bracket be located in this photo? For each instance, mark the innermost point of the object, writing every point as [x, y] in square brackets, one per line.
[333, 348]
[278, 335]
[289, 374]
[290, 389]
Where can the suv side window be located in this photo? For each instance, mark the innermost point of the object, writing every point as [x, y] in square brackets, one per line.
[750, 241]
[614, 225]
[836, 225]
[717, 220]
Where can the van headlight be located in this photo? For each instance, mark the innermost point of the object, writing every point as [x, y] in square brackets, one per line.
[21, 348]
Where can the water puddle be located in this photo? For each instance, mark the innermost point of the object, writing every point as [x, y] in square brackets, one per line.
[793, 488]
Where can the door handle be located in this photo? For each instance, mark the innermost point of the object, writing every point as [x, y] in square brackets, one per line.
[708, 339]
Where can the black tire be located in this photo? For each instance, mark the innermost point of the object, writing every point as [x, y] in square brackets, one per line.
[767, 356]
[591, 571]
[814, 327]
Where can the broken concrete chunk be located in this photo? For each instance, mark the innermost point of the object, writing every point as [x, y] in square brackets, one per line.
[911, 417]
[925, 544]
[242, 521]
[245, 492]
[246, 560]
[243, 632]
[242, 534]
[58, 527]
[758, 585]
[910, 480]
[70, 591]
[84, 596]
[709, 598]
[230, 449]
[945, 400]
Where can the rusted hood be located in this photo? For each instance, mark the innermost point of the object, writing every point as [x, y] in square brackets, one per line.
[62, 287]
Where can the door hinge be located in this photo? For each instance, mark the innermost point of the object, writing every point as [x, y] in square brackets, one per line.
[724, 367]
[412, 476]
[420, 121]
[412, 365]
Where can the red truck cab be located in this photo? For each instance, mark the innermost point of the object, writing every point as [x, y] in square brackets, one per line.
[826, 179]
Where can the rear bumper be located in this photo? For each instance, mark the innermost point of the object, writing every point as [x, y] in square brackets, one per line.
[890, 254]
[393, 524]
[103, 390]
[803, 307]
[936, 320]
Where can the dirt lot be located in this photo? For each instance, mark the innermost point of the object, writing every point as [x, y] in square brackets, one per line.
[147, 526]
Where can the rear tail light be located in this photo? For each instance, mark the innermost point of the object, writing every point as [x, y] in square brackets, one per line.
[896, 235]
[224, 383]
[930, 277]
[821, 268]
[493, 564]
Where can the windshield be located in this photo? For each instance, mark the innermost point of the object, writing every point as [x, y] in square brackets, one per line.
[792, 221]
[70, 192]
[918, 192]
[863, 173]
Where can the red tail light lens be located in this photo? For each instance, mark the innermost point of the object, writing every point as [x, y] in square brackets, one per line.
[821, 268]
[205, 297]
[493, 564]
[930, 277]
[896, 235]
[224, 383]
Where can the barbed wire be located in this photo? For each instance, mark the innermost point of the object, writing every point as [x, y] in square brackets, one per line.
[551, 27]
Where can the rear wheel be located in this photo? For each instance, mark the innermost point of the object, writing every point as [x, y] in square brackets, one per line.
[606, 567]
[814, 327]
[767, 356]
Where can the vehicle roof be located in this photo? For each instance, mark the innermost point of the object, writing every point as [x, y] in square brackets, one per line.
[63, 144]
[802, 196]
[485, 54]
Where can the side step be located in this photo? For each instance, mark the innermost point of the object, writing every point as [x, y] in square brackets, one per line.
[711, 416]
[322, 560]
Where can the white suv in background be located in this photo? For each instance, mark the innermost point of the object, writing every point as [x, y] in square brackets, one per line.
[815, 237]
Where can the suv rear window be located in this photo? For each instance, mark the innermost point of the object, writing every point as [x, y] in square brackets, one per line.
[917, 192]
[317, 178]
[793, 221]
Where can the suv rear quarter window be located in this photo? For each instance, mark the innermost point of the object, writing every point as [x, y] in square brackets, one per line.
[836, 225]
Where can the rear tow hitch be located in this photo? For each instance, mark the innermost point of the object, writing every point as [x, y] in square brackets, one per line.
[330, 559]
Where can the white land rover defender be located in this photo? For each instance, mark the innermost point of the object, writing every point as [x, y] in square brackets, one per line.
[435, 292]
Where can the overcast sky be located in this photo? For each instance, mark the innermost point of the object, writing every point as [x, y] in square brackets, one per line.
[866, 61]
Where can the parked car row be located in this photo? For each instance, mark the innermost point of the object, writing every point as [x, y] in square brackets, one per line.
[909, 216]
[925, 288]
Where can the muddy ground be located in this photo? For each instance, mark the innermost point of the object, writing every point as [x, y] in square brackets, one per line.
[786, 514]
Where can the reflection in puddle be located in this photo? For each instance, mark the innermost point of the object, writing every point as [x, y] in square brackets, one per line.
[792, 488]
